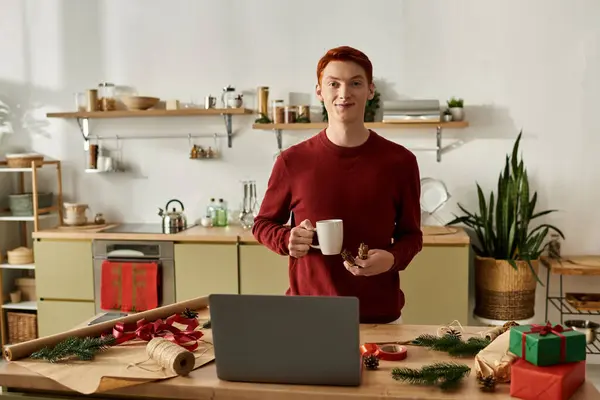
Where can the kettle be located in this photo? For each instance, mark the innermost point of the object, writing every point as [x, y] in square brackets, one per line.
[173, 221]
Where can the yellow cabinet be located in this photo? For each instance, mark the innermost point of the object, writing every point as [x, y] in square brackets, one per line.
[262, 271]
[436, 286]
[205, 268]
[64, 269]
[55, 316]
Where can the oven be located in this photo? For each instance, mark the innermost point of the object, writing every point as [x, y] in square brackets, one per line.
[131, 252]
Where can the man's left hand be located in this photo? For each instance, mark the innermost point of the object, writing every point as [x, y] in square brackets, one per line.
[377, 262]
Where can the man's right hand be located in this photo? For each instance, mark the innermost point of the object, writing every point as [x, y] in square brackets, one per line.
[301, 237]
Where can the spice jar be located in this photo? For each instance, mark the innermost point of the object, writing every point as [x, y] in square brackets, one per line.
[291, 114]
[304, 113]
[278, 112]
[106, 96]
[263, 101]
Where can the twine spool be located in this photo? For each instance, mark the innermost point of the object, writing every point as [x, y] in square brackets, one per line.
[170, 356]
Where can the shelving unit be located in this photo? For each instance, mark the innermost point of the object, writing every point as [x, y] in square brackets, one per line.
[83, 118]
[38, 215]
[573, 266]
[438, 126]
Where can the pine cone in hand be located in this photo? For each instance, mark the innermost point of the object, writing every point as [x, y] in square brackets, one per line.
[363, 251]
[348, 257]
[371, 362]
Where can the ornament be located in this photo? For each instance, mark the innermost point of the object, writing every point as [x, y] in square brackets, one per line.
[487, 384]
[363, 251]
[371, 361]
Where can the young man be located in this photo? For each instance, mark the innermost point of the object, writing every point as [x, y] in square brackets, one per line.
[348, 172]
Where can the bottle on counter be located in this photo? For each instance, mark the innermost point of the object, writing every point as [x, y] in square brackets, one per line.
[211, 209]
[221, 213]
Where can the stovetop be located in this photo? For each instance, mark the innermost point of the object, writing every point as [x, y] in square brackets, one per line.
[141, 228]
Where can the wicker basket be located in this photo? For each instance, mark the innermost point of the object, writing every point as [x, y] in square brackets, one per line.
[503, 293]
[24, 160]
[20, 256]
[21, 327]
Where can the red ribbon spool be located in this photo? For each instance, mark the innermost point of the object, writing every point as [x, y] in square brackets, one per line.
[387, 352]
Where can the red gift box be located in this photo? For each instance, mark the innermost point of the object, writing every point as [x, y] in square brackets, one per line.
[129, 286]
[556, 382]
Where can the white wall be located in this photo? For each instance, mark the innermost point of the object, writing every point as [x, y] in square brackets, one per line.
[531, 65]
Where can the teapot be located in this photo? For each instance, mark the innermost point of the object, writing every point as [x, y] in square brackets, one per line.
[173, 221]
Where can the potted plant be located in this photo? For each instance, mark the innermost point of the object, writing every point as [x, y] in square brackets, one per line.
[456, 109]
[507, 255]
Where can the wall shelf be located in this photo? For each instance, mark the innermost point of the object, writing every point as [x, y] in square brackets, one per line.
[438, 126]
[83, 118]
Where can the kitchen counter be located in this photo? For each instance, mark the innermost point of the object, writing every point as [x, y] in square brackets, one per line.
[203, 382]
[432, 235]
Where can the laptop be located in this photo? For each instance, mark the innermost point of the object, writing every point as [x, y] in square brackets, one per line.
[311, 340]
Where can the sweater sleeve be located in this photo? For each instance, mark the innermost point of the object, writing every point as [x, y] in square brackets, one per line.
[268, 228]
[408, 237]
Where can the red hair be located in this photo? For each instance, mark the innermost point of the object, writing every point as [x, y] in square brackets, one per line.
[345, 53]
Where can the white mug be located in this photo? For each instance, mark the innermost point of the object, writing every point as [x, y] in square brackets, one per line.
[330, 233]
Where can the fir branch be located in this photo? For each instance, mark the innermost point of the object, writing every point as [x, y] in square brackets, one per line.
[74, 347]
[452, 344]
[445, 375]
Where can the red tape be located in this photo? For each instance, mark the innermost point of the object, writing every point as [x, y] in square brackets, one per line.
[387, 352]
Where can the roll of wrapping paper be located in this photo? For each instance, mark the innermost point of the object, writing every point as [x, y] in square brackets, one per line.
[24, 349]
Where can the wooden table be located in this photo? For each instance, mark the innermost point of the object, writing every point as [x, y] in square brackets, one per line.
[204, 384]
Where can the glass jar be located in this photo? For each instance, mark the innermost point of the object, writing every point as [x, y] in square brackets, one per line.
[228, 98]
[304, 113]
[263, 101]
[277, 111]
[106, 96]
[291, 114]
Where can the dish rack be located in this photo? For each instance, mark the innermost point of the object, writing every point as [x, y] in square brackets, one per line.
[18, 311]
[584, 305]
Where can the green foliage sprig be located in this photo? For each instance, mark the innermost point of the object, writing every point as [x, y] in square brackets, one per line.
[445, 375]
[74, 347]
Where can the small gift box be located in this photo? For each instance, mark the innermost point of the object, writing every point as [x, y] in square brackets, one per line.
[557, 382]
[545, 345]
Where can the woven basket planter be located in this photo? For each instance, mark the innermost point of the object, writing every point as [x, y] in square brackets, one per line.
[503, 293]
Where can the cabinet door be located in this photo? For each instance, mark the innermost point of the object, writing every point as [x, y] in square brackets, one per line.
[205, 268]
[55, 316]
[262, 271]
[64, 269]
[436, 286]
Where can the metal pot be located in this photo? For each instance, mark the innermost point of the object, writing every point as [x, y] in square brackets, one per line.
[173, 221]
[589, 328]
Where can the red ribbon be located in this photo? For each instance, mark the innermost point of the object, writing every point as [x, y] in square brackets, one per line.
[144, 330]
[543, 330]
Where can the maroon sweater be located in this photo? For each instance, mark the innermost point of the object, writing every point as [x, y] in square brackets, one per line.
[374, 188]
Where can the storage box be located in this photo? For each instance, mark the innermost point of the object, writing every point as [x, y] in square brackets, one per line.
[545, 345]
[557, 382]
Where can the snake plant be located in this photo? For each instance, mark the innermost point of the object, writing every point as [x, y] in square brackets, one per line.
[503, 224]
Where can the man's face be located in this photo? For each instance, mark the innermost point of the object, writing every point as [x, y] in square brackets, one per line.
[344, 90]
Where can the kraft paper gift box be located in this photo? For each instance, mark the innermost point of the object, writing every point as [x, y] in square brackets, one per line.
[545, 345]
[556, 382]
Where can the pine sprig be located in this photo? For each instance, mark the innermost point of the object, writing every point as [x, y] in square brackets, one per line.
[74, 347]
[445, 375]
[452, 344]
